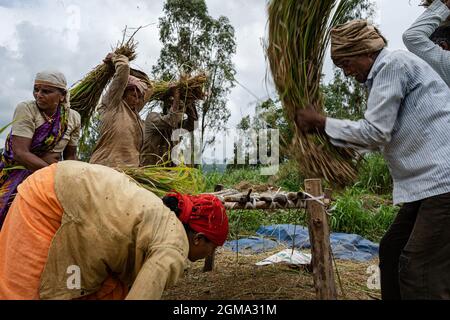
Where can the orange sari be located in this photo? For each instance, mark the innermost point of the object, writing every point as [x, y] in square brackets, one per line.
[25, 239]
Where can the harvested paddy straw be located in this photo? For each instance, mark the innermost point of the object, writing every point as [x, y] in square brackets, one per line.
[298, 38]
[160, 180]
[190, 88]
[86, 94]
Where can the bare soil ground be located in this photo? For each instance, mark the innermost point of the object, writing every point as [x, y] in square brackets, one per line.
[236, 277]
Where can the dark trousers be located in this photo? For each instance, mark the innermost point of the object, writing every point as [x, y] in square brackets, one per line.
[415, 252]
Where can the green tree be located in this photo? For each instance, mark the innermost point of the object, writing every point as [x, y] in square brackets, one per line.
[89, 139]
[270, 115]
[194, 41]
[344, 97]
[361, 9]
[245, 125]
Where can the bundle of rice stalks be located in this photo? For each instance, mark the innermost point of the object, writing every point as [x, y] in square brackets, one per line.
[298, 38]
[86, 94]
[190, 88]
[161, 180]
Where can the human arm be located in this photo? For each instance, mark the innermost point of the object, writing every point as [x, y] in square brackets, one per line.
[310, 121]
[70, 153]
[169, 121]
[119, 83]
[22, 154]
[417, 38]
[164, 267]
[388, 90]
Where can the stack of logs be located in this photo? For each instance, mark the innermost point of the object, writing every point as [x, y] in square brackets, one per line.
[235, 200]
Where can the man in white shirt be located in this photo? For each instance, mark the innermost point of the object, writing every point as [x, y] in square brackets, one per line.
[408, 121]
[429, 38]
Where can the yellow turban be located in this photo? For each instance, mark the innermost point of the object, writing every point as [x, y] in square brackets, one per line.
[355, 38]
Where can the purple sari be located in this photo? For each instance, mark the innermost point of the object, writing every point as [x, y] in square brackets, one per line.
[45, 138]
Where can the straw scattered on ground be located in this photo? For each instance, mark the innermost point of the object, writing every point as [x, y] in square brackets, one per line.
[237, 278]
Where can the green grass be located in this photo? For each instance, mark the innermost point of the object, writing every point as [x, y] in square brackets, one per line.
[374, 175]
[231, 178]
[246, 222]
[289, 177]
[358, 212]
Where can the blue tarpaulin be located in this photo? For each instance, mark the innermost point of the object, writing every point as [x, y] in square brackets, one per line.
[251, 245]
[344, 246]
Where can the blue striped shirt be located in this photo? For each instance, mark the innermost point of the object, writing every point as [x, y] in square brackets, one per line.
[417, 39]
[408, 120]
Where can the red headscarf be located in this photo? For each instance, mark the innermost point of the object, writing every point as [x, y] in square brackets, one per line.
[204, 214]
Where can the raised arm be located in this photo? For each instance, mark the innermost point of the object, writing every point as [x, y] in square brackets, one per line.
[169, 121]
[118, 85]
[417, 38]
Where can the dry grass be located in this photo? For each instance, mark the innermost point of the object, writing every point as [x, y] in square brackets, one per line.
[191, 88]
[298, 38]
[237, 278]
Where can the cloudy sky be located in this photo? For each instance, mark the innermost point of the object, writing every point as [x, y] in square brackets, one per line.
[73, 36]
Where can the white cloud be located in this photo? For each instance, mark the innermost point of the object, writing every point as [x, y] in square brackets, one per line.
[70, 36]
[48, 34]
[394, 17]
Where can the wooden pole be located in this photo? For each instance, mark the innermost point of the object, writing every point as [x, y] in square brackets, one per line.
[319, 234]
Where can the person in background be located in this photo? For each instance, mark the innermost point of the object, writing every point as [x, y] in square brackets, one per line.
[159, 128]
[44, 131]
[121, 129]
[429, 38]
